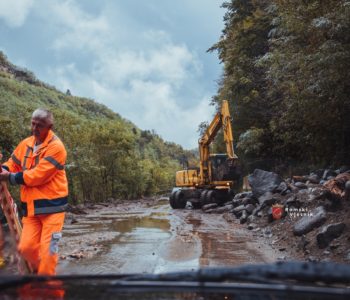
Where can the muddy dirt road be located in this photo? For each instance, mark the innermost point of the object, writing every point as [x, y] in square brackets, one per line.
[149, 237]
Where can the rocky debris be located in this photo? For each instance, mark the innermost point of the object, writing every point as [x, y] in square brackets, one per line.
[262, 181]
[329, 233]
[308, 202]
[307, 223]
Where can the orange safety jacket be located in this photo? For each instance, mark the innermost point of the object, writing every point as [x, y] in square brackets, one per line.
[44, 186]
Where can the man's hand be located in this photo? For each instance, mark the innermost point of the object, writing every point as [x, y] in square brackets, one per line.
[4, 175]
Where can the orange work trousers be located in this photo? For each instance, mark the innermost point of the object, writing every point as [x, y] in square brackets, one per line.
[39, 241]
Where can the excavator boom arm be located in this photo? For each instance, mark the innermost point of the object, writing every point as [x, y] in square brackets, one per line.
[222, 119]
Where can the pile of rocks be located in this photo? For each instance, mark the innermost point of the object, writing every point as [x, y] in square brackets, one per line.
[308, 202]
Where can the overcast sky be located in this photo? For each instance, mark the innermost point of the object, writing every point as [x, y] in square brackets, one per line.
[145, 59]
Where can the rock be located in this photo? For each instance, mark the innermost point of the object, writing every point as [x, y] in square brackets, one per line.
[307, 223]
[238, 210]
[249, 208]
[299, 178]
[329, 233]
[262, 181]
[330, 205]
[282, 188]
[237, 202]
[318, 173]
[300, 185]
[258, 214]
[343, 169]
[223, 209]
[313, 179]
[251, 218]
[329, 173]
[243, 218]
[251, 226]
[267, 232]
[270, 218]
[293, 201]
[243, 195]
[293, 188]
[303, 242]
[318, 193]
[209, 206]
[247, 201]
[218, 210]
[266, 199]
[228, 206]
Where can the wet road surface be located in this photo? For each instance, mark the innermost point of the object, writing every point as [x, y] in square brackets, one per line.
[150, 237]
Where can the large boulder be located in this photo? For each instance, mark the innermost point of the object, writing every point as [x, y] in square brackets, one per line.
[307, 223]
[329, 233]
[262, 181]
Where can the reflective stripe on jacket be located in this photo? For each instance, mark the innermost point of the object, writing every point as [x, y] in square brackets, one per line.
[44, 187]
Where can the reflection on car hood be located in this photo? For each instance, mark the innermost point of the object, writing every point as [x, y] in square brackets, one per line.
[284, 280]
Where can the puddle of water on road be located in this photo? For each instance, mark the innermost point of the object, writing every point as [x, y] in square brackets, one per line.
[133, 250]
[223, 248]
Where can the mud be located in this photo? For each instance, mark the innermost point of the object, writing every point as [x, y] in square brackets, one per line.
[149, 237]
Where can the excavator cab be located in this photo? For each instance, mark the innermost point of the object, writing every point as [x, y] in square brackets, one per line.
[223, 168]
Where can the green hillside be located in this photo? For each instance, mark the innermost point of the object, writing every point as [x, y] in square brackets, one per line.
[108, 156]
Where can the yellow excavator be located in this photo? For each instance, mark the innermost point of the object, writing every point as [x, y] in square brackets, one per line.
[218, 174]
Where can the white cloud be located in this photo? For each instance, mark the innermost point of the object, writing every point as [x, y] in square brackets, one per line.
[15, 12]
[145, 83]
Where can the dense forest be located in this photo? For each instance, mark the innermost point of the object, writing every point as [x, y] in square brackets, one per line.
[108, 156]
[286, 75]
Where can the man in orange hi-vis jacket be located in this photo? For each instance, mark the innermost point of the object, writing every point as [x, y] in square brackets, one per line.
[37, 164]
